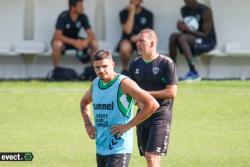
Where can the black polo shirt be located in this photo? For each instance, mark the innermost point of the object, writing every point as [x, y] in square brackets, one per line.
[155, 75]
[198, 14]
[70, 28]
[142, 20]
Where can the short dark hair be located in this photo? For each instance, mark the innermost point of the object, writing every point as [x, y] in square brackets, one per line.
[74, 2]
[103, 54]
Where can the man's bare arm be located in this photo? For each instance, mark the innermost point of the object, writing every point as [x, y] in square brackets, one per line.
[130, 88]
[129, 24]
[90, 35]
[60, 37]
[85, 112]
[77, 43]
[168, 93]
[206, 27]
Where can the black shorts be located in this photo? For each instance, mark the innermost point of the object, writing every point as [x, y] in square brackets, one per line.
[202, 45]
[133, 45]
[114, 160]
[81, 55]
[153, 135]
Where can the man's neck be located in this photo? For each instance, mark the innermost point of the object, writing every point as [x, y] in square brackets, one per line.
[194, 6]
[73, 15]
[111, 77]
[150, 57]
[138, 9]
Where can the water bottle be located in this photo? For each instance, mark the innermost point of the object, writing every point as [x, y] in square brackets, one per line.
[79, 53]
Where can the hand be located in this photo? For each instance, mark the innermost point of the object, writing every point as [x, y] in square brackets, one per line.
[119, 129]
[131, 8]
[182, 26]
[81, 44]
[134, 38]
[91, 131]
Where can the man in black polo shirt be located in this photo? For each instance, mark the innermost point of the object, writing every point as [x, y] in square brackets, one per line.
[192, 43]
[133, 19]
[68, 26]
[156, 74]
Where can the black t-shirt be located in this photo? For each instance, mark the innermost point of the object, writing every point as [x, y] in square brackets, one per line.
[142, 20]
[155, 75]
[198, 13]
[71, 29]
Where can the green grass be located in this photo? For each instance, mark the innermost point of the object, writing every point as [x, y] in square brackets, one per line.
[211, 122]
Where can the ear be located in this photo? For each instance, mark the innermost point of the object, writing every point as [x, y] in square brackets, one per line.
[152, 43]
[113, 64]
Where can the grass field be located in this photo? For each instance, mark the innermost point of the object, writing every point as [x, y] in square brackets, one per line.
[211, 125]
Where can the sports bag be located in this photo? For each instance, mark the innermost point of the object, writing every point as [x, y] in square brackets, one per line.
[62, 74]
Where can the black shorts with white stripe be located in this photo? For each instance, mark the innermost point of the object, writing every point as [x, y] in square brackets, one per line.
[153, 134]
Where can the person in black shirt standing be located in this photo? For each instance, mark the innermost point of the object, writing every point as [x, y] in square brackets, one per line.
[133, 19]
[68, 26]
[157, 75]
[190, 42]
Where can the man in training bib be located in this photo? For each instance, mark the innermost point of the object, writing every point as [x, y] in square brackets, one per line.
[112, 97]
